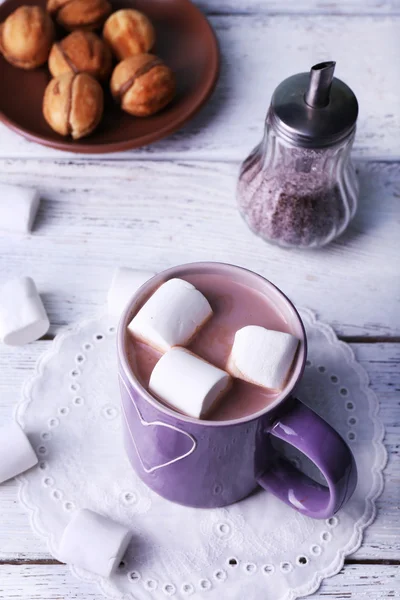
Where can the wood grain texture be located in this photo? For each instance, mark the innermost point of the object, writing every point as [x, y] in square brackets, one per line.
[352, 7]
[328, 7]
[258, 51]
[95, 216]
[55, 582]
[382, 539]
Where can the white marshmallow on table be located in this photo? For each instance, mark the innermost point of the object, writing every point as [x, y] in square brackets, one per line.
[23, 318]
[171, 316]
[18, 208]
[124, 284]
[94, 542]
[188, 383]
[262, 356]
[16, 452]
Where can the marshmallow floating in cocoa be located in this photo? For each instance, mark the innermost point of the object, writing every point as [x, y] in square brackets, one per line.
[124, 284]
[16, 452]
[188, 383]
[23, 318]
[18, 208]
[262, 356]
[171, 316]
[94, 543]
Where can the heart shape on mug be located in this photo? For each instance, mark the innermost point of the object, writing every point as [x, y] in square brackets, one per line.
[172, 442]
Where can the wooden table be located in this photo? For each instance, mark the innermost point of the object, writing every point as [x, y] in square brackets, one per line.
[174, 202]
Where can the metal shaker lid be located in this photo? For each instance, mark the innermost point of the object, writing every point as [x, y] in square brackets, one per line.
[314, 109]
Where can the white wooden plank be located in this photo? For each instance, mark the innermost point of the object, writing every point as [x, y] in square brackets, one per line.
[97, 215]
[55, 582]
[382, 363]
[17, 540]
[223, 7]
[300, 6]
[382, 539]
[258, 52]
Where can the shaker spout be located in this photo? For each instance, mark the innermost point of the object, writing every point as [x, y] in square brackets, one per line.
[319, 87]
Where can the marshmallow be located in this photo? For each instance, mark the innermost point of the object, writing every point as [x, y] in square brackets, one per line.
[124, 284]
[94, 543]
[23, 318]
[188, 383]
[16, 452]
[18, 208]
[171, 316]
[262, 356]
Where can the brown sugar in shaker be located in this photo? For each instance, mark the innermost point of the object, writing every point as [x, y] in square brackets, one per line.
[298, 187]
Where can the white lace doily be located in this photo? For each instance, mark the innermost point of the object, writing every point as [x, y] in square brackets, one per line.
[259, 549]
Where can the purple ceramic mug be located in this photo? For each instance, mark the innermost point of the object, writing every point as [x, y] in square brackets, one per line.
[215, 463]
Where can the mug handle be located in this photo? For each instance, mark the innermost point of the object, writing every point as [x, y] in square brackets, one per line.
[303, 429]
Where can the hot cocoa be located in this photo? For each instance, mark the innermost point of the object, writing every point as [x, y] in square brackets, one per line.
[234, 306]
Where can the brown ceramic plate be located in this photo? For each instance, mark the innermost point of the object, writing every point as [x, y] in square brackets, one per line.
[185, 41]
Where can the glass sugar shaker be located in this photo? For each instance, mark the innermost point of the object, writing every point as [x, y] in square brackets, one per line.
[298, 187]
